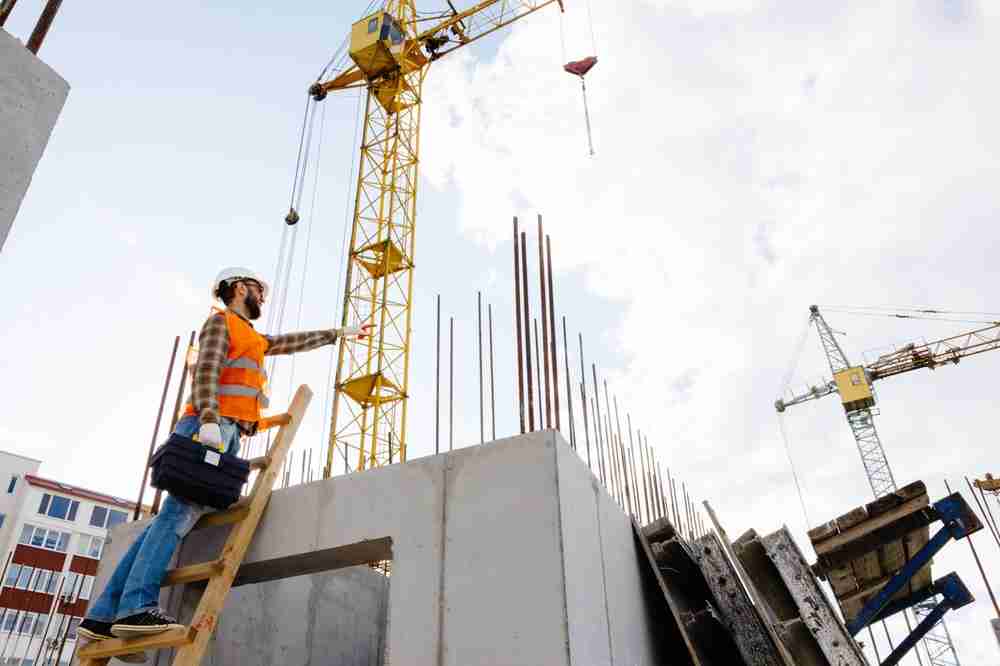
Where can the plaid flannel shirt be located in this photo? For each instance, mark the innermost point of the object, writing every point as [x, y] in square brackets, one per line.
[213, 348]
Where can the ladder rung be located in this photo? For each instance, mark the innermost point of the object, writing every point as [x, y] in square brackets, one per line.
[193, 572]
[260, 463]
[233, 514]
[118, 646]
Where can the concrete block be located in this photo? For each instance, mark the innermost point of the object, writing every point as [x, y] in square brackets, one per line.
[32, 95]
[503, 554]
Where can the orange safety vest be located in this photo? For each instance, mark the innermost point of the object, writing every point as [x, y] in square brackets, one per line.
[242, 381]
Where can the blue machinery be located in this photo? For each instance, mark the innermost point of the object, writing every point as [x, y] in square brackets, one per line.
[958, 522]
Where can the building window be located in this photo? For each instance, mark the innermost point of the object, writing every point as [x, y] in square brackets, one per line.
[42, 580]
[53, 583]
[104, 517]
[91, 546]
[13, 571]
[27, 622]
[87, 587]
[12, 485]
[56, 506]
[73, 624]
[42, 538]
[3, 517]
[9, 620]
[116, 518]
[24, 578]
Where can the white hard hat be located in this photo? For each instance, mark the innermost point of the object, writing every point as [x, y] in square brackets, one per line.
[236, 273]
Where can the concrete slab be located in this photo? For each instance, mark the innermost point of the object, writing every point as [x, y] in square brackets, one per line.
[506, 553]
[32, 95]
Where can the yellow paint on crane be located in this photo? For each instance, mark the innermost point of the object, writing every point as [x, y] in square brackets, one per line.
[854, 388]
[376, 42]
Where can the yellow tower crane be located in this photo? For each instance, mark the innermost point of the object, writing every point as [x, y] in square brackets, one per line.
[391, 51]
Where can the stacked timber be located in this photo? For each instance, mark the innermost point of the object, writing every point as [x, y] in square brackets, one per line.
[859, 552]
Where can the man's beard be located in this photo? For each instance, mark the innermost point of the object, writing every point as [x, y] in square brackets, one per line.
[252, 306]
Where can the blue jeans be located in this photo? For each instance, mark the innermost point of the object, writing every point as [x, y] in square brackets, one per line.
[134, 587]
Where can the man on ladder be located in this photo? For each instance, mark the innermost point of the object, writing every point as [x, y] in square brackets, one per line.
[229, 391]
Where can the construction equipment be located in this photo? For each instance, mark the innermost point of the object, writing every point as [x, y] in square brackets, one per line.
[854, 383]
[192, 640]
[877, 558]
[391, 50]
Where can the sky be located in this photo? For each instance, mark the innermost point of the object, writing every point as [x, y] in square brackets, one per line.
[752, 158]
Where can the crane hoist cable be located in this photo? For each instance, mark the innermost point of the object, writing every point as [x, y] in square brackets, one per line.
[581, 68]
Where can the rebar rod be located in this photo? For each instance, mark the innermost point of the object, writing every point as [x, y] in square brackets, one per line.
[42, 27]
[982, 511]
[527, 332]
[437, 382]
[538, 373]
[989, 511]
[493, 391]
[552, 338]
[479, 349]
[451, 383]
[6, 7]
[156, 428]
[642, 471]
[545, 329]
[621, 446]
[583, 399]
[982, 571]
[597, 442]
[569, 394]
[517, 319]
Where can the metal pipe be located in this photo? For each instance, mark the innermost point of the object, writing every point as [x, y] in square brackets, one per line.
[156, 428]
[583, 399]
[982, 572]
[437, 382]
[527, 333]
[569, 394]
[538, 372]
[43, 25]
[552, 337]
[479, 348]
[545, 329]
[878, 657]
[493, 391]
[451, 384]
[48, 622]
[6, 7]
[517, 317]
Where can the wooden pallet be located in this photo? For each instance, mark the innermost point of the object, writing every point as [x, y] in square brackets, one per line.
[192, 640]
[859, 552]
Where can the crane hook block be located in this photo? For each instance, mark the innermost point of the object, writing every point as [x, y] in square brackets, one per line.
[580, 67]
[292, 218]
[317, 92]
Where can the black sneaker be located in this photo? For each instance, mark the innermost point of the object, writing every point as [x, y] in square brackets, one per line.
[153, 621]
[95, 630]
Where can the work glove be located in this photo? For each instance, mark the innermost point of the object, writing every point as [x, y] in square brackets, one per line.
[359, 332]
[210, 434]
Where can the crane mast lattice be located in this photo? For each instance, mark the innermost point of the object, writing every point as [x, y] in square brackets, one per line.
[391, 50]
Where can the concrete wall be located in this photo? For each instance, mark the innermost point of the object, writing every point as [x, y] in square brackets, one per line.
[32, 95]
[504, 554]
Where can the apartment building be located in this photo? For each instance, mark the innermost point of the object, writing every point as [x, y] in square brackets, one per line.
[51, 537]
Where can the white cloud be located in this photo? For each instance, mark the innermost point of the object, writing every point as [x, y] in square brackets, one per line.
[751, 160]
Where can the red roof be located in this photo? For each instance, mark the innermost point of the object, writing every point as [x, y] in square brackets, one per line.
[77, 491]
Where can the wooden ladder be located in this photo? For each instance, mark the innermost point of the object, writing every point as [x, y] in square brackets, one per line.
[192, 640]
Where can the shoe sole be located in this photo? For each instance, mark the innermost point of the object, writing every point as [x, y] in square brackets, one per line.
[128, 631]
[94, 636]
